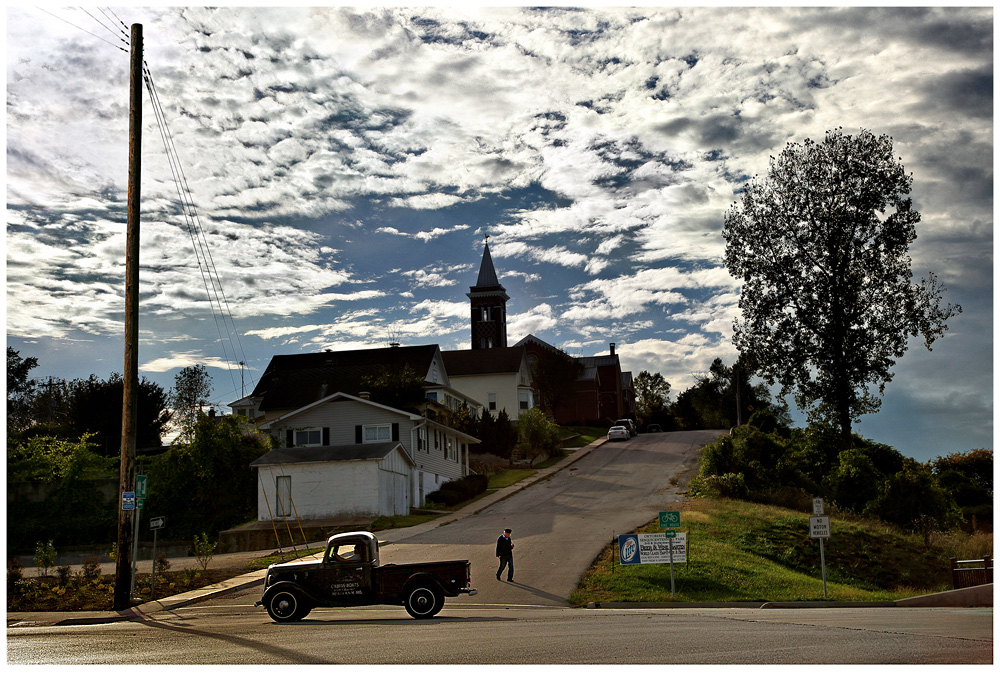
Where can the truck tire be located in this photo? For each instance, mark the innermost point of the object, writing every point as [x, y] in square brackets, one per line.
[286, 605]
[423, 600]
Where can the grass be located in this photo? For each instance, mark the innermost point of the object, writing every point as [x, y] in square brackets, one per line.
[744, 552]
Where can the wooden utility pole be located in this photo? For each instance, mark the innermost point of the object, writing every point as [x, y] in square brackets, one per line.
[126, 479]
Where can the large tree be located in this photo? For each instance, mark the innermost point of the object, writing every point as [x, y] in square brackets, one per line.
[828, 300]
[19, 389]
[192, 386]
[651, 394]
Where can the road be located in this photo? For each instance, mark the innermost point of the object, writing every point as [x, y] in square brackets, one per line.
[559, 525]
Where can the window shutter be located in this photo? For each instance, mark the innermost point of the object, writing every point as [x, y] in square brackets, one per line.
[395, 432]
[358, 435]
[326, 436]
[289, 438]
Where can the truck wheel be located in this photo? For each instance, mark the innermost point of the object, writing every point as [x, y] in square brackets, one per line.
[424, 601]
[286, 606]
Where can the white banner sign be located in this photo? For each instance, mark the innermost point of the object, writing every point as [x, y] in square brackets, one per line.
[651, 548]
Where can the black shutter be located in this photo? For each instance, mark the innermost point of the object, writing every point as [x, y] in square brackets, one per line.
[395, 432]
[326, 436]
[289, 438]
[358, 435]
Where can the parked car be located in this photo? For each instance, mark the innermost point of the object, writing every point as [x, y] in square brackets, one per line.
[349, 575]
[633, 431]
[619, 433]
[654, 428]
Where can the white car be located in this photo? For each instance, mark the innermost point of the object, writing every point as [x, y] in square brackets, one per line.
[619, 432]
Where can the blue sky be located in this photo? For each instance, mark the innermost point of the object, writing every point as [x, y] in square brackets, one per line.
[346, 165]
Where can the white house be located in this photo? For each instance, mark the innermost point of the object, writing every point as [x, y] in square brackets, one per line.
[499, 378]
[344, 447]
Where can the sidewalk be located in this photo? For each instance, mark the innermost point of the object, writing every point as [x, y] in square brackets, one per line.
[256, 579]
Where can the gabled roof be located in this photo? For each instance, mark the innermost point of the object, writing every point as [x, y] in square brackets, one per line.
[291, 381]
[339, 396]
[483, 361]
[325, 454]
[541, 343]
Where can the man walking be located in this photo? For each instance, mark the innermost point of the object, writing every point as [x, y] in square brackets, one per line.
[505, 551]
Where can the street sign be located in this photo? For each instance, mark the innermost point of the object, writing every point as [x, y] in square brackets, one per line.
[157, 523]
[819, 527]
[141, 486]
[128, 500]
[670, 533]
[670, 520]
[817, 506]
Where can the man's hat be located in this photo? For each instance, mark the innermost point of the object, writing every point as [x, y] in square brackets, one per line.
[506, 531]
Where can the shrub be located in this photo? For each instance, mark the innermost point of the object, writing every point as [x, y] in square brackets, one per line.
[91, 568]
[204, 550]
[45, 557]
[539, 433]
[459, 490]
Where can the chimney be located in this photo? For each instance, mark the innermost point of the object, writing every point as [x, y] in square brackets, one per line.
[612, 349]
[365, 395]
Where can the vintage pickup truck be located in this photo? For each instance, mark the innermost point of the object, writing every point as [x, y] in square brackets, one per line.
[350, 575]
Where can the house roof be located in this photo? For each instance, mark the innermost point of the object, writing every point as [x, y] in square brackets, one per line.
[295, 380]
[483, 361]
[326, 454]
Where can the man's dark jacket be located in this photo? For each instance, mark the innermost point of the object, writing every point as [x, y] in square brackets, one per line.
[505, 546]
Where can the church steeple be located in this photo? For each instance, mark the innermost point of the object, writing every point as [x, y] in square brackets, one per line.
[489, 306]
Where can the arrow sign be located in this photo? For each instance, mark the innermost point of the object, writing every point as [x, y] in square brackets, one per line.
[157, 523]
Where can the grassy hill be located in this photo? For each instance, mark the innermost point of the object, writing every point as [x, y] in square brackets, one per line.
[741, 551]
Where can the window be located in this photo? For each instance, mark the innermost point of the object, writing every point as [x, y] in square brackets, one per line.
[283, 493]
[421, 439]
[432, 396]
[524, 400]
[310, 437]
[378, 433]
[492, 399]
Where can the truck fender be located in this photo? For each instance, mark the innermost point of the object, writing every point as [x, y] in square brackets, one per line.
[303, 602]
[419, 578]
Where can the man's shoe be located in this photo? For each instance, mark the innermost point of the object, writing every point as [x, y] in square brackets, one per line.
[509, 580]
[498, 578]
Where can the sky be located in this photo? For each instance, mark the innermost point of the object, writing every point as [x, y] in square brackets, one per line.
[346, 165]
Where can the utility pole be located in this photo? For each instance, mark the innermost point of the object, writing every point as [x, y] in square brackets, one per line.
[126, 479]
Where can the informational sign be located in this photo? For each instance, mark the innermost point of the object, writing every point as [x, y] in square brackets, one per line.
[157, 523]
[652, 548]
[141, 486]
[128, 500]
[819, 527]
[817, 506]
[670, 520]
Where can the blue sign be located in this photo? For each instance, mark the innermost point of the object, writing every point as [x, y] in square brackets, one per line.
[128, 500]
[628, 548]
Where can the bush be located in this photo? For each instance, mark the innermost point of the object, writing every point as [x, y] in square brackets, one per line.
[45, 557]
[539, 433]
[459, 490]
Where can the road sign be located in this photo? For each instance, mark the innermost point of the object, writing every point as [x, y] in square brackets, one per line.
[819, 527]
[141, 486]
[670, 520]
[128, 500]
[817, 506]
[670, 533]
[157, 523]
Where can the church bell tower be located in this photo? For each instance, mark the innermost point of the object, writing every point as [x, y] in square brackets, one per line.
[489, 306]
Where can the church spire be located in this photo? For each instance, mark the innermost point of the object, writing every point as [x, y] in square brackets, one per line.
[488, 306]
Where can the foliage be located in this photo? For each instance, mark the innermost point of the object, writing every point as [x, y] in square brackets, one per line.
[19, 389]
[539, 434]
[711, 403]
[45, 557]
[497, 434]
[71, 474]
[204, 482]
[396, 386]
[553, 375]
[821, 245]
[204, 549]
[968, 477]
[651, 397]
[459, 490]
[192, 386]
[867, 478]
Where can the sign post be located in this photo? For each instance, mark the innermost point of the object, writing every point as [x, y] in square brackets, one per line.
[156, 523]
[819, 527]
